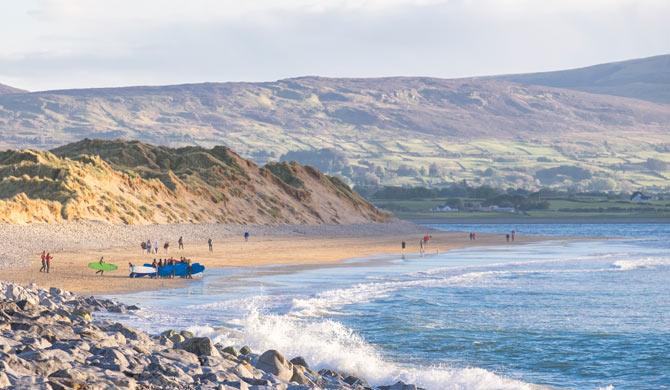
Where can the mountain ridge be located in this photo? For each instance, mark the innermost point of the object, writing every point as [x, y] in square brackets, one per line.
[390, 130]
[628, 78]
[6, 89]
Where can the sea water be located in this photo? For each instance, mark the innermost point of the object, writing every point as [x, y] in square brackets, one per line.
[583, 314]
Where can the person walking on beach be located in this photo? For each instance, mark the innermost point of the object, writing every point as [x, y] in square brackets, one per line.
[246, 236]
[166, 246]
[507, 237]
[48, 261]
[155, 246]
[421, 249]
[513, 234]
[101, 262]
[149, 246]
[209, 243]
[44, 261]
[403, 245]
[181, 242]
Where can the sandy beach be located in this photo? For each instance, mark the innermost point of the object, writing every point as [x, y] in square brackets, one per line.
[75, 245]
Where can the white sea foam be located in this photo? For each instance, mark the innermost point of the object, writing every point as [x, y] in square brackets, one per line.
[331, 301]
[329, 344]
[328, 302]
[647, 262]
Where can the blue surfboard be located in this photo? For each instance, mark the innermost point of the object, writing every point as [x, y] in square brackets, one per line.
[179, 269]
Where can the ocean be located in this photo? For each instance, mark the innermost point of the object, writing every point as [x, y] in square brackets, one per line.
[585, 313]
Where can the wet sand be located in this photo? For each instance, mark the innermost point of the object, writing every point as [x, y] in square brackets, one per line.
[69, 268]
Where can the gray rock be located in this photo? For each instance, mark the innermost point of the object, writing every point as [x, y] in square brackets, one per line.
[177, 338]
[300, 361]
[273, 362]
[400, 385]
[245, 350]
[299, 376]
[83, 315]
[4, 380]
[110, 359]
[129, 333]
[355, 381]
[231, 350]
[201, 346]
[236, 384]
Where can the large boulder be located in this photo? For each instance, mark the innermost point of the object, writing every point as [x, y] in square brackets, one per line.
[400, 385]
[201, 346]
[111, 359]
[273, 362]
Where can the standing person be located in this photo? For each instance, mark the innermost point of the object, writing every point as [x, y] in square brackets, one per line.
[181, 242]
[421, 250]
[507, 237]
[246, 236]
[513, 234]
[101, 262]
[189, 269]
[149, 246]
[44, 261]
[166, 246]
[48, 261]
[403, 245]
[209, 243]
[155, 266]
[156, 246]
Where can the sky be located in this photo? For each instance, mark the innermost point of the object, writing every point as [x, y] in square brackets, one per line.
[56, 44]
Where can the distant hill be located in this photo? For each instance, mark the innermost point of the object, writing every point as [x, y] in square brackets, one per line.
[137, 183]
[6, 89]
[395, 131]
[644, 78]
[297, 113]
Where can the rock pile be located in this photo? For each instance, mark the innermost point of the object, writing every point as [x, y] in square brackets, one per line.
[48, 340]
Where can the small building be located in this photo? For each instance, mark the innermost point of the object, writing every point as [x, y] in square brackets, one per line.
[444, 208]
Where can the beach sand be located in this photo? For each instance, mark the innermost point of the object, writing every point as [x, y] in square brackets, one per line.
[295, 245]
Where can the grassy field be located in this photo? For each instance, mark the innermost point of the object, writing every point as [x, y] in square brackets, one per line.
[582, 208]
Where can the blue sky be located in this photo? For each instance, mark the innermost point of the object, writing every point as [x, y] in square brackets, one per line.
[50, 44]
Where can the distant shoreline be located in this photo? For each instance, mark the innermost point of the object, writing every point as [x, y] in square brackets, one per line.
[538, 220]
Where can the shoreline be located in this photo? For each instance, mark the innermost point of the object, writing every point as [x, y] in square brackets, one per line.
[50, 338]
[306, 245]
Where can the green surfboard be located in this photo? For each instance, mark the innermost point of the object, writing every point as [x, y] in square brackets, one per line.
[102, 267]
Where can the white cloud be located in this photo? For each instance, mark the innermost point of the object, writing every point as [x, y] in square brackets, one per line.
[79, 43]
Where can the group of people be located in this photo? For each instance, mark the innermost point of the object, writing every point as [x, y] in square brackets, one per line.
[160, 263]
[423, 243]
[153, 249]
[46, 261]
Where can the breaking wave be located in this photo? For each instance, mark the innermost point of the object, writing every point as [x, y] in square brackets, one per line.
[330, 344]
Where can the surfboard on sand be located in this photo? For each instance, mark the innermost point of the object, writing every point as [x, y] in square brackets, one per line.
[102, 267]
[141, 270]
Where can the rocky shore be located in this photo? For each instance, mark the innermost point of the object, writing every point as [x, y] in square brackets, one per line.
[50, 340]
